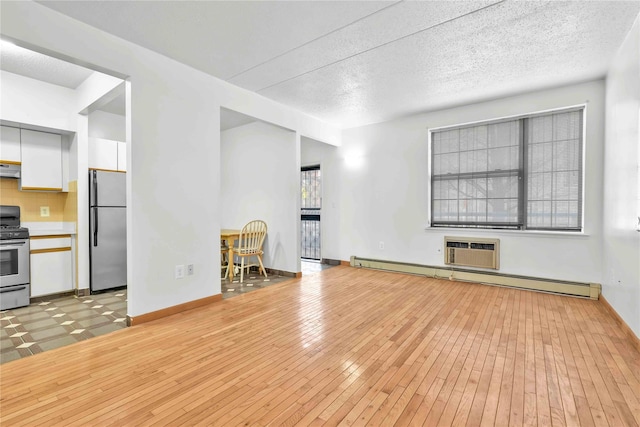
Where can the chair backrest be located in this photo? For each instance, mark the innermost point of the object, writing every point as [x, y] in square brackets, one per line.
[252, 236]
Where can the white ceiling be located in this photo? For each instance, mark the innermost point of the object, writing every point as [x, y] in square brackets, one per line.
[35, 65]
[357, 62]
[116, 106]
[28, 63]
[231, 119]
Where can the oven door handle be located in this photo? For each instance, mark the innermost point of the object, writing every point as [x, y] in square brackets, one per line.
[11, 289]
[7, 244]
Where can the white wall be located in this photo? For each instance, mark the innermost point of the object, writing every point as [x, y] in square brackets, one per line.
[260, 180]
[32, 102]
[621, 283]
[93, 89]
[384, 191]
[174, 183]
[107, 125]
[174, 155]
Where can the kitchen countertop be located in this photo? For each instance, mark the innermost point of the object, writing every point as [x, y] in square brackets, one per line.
[50, 228]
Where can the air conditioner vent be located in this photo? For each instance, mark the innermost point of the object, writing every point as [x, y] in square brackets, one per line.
[472, 252]
[484, 246]
[457, 244]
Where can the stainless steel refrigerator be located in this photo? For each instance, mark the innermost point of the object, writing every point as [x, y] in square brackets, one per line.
[107, 230]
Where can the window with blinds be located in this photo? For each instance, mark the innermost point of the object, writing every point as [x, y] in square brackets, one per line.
[523, 173]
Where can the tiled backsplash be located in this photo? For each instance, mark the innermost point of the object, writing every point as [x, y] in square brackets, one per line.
[62, 206]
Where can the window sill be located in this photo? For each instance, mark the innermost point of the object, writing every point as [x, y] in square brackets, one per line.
[493, 232]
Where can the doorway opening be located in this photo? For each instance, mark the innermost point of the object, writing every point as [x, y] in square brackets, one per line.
[91, 134]
[310, 207]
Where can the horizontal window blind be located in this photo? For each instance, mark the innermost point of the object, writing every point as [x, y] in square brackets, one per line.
[524, 173]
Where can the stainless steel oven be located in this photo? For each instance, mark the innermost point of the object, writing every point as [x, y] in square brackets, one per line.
[14, 259]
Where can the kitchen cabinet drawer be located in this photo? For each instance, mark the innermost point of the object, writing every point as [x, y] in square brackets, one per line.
[50, 242]
[41, 154]
[10, 145]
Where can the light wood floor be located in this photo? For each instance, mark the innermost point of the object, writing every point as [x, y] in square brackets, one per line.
[344, 347]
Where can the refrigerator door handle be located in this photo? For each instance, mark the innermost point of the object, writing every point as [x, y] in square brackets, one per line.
[95, 227]
[94, 202]
[95, 188]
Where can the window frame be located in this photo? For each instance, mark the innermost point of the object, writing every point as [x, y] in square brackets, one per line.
[523, 122]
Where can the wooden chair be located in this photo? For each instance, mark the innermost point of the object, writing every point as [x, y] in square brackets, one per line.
[249, 244]
[224, 253]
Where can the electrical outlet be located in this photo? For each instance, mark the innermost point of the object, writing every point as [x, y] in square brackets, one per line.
[381, 246]
[179, 271]
[44, 211]
[189, 269]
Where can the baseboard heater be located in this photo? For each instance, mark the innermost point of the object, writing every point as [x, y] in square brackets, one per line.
[587, 290]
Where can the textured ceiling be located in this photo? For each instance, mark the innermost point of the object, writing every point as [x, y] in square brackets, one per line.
[24, 62]
[355, 62]
[27, 63]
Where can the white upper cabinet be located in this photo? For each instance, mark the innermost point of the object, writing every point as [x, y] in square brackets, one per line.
[10, 145]
[41, 154]
[122, 156]
[107, 154]
[103, 154]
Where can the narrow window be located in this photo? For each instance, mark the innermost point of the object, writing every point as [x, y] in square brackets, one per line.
[311, 204]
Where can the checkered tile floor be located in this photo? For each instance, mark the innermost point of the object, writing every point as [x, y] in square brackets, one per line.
[50, 324]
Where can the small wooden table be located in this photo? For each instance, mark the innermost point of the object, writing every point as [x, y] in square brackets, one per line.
[230, 235]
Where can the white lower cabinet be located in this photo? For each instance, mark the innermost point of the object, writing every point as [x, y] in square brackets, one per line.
[51, 265]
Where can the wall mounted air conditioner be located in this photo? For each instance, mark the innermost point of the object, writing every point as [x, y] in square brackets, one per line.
[472, 252]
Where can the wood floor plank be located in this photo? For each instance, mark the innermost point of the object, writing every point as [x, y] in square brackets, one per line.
[530, 414]
[345, 347]
[436, 365]
[450, 396]
[482, 393]
[489, 415]
[505, 401]
[542, 392]
[575, 320]
[457, 407]
[563, 360]
[598, 372]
